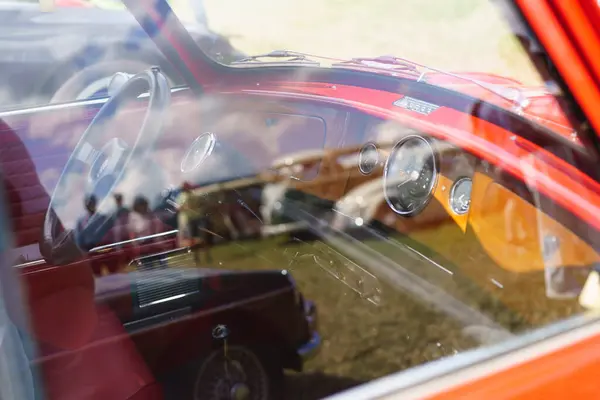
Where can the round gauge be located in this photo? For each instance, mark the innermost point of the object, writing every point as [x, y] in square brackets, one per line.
[460, 196]
[410, 175]
[368, 158]
[198, 151]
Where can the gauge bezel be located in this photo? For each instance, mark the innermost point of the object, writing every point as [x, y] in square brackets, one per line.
[432, 185]
[366, 147]
[451, 195]
[211, 147]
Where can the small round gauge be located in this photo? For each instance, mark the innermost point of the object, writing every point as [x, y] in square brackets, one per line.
[368, 158]
[198, 151]
[410, 175]
[460, 195]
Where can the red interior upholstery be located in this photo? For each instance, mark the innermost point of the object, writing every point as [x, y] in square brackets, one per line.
[83, 349]
[107, 366]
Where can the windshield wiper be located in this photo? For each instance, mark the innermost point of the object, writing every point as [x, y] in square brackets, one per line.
[290, 56]
[383, 62]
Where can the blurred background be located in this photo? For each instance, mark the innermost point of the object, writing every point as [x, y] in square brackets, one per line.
[454, 35]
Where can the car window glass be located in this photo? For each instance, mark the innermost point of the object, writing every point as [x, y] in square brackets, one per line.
[416, 186]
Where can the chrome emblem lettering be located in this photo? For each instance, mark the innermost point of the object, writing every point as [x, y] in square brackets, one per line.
[415, 105]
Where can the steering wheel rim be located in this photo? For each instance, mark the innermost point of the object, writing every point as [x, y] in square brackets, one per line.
[59, 245]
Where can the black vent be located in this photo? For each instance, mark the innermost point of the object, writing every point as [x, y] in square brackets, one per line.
[159, 282]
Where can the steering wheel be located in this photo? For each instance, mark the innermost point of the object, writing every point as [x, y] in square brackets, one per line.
[106, 161]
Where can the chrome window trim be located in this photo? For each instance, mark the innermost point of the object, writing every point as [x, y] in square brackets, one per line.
[106, 246]
[139, 239]
[73, 104]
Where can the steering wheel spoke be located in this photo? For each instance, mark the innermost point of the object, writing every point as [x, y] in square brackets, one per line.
[87, 154]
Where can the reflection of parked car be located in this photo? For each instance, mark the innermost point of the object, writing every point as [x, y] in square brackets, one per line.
[261, 310]
[310, 183]
[71, 53]
[256, 323]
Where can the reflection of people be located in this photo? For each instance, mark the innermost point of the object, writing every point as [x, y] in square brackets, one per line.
[144, 224]
[122, 211]
[194, 221]
[90, 203]
[141, 221]
[228, 211]
[119, 231]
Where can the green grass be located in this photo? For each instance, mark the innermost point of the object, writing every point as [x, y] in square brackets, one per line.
[363, 341]
[520, 305]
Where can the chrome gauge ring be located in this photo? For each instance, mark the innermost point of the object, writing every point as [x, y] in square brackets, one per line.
[460, 196]
[200, 149]
[410, 175]
[368, 158]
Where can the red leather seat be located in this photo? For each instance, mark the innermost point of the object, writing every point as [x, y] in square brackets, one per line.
[106, 366]
[83, 351]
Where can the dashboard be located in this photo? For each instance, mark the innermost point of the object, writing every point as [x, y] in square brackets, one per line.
[378, 172]
[465, 221]
[424, 180]
[374, 171]
[469, 215]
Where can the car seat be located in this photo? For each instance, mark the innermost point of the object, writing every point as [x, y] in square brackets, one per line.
[80, 349]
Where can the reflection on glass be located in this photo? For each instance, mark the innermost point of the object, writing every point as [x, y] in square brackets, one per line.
[282, 238]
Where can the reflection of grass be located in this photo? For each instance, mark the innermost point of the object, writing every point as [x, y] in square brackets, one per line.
[515, 300]
[363, 341]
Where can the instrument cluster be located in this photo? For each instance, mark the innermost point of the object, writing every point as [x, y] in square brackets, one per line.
[419, 169]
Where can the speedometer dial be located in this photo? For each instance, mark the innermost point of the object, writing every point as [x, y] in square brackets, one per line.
[410, 175]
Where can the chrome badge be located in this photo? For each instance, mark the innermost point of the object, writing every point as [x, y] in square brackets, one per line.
[422, 107]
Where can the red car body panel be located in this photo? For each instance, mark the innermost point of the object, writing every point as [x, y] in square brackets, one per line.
[542, 107]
